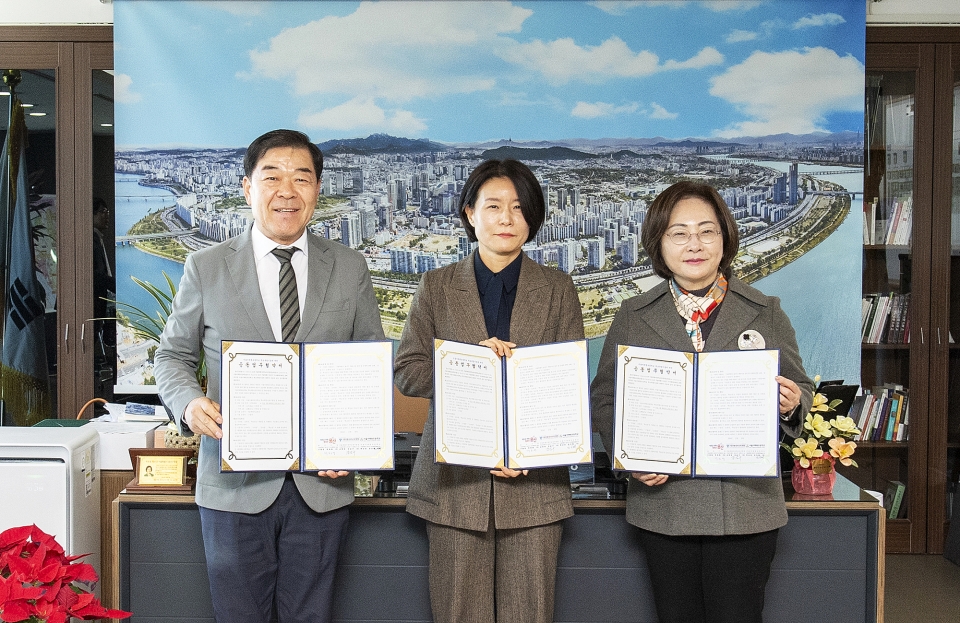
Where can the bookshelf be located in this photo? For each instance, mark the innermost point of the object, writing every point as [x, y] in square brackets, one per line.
[911, 254]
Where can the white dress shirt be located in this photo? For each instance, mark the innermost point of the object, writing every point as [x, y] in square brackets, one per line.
[268, 273]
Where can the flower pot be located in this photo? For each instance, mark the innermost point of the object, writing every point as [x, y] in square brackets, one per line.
[818, 479]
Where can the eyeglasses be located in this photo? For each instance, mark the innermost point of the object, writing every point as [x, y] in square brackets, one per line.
[682, 236]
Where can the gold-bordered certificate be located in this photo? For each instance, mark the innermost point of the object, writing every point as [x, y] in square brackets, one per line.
[712, 414]
[259, 402]
[526, 411]
[348, 406]
[306, 407]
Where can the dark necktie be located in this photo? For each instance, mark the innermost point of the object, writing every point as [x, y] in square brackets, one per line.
[289, 299]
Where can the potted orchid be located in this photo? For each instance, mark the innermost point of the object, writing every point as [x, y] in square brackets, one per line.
[821, 444]
[39, 583]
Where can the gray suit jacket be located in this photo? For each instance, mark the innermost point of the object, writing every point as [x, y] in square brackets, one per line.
[447, 306]
[219, 299]
[707, 506]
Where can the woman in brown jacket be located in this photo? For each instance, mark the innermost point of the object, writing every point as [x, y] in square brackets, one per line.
[494, 535]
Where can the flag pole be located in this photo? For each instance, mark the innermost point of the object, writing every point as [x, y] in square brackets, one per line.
[12, 78]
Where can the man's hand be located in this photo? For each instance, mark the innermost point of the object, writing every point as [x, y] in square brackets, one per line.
[202, 416]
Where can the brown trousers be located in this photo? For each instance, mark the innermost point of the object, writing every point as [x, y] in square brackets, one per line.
[502, 576]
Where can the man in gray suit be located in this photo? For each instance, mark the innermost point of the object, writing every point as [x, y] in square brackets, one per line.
[271, 539]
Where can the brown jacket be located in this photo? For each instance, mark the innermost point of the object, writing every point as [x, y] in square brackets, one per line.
[447, 306]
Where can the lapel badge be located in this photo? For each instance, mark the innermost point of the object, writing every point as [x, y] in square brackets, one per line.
[751, 340]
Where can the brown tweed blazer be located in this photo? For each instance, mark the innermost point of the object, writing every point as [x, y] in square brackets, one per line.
[447, 306]
[701, 506]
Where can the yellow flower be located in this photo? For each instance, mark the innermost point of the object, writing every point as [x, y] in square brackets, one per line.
[818, 426]
[820, 403]
[843, 450]
[845, 426]
[807, 449]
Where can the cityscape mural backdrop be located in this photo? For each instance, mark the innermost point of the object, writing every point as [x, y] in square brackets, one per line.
[607, 102]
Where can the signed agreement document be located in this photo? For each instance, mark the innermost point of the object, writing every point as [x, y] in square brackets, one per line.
[706, 414]
[306, 407]
[525, 411]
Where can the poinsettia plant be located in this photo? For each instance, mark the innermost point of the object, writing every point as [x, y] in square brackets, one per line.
[39, 583]
[821, 436]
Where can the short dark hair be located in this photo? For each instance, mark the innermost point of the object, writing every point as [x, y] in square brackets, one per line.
[529, 193]
[281, 138]
[658, 219]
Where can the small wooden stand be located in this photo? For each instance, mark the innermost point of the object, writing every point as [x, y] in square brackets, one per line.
[160, 470]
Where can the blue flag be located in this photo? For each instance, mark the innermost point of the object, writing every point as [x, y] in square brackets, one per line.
[24, 381]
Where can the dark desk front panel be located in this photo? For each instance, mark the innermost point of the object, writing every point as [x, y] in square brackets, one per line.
[827, 561]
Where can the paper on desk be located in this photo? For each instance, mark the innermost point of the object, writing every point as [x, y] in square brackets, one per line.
[135, 412]
[116, 438]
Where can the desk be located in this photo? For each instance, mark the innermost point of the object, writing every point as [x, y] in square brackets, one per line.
[830, 549]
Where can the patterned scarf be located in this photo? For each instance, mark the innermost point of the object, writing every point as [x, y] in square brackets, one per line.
[696, 309]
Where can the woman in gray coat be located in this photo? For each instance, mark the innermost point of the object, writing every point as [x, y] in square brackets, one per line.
[494, 535]
[709, 542]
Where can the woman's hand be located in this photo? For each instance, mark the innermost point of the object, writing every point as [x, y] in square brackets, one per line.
[651, 480]
[499, 346]
[332, 474]
[506, 472]
[789, 395]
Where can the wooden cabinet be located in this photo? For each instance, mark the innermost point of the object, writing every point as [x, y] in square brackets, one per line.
[62, 67]
[911, 139]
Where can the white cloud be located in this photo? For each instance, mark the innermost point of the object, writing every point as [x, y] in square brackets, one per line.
[562, 60]
[737, 36]
[242, 9]
[363, 114]
[123, 92]
[659, 112]
[615, 7]
[789, 91]
[816, 21]
[393, 50]
[704, 58]
[719, 6]
[594, 110]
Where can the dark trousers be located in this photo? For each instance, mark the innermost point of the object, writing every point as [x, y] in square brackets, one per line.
[715, 579]
[281, 560]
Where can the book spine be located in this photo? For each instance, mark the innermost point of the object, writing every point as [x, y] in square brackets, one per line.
[882, 414]
[892, 417]
[897, 500]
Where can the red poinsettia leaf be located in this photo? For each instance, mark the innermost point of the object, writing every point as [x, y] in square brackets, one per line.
[66, 597]
[17, 610]
[82, 572]
[46, 610]
[118, 614]
[50, 592]
[24, 568]
[50, 572]
[14, 536]
[51, 613]
[39, 536]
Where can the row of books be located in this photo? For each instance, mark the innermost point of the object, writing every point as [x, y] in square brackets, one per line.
[885, 319]
[882, 414]
[893, 226]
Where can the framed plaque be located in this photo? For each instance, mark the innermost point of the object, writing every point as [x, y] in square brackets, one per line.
[160, 470]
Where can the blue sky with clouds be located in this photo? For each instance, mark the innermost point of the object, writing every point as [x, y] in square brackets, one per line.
[217, 74]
